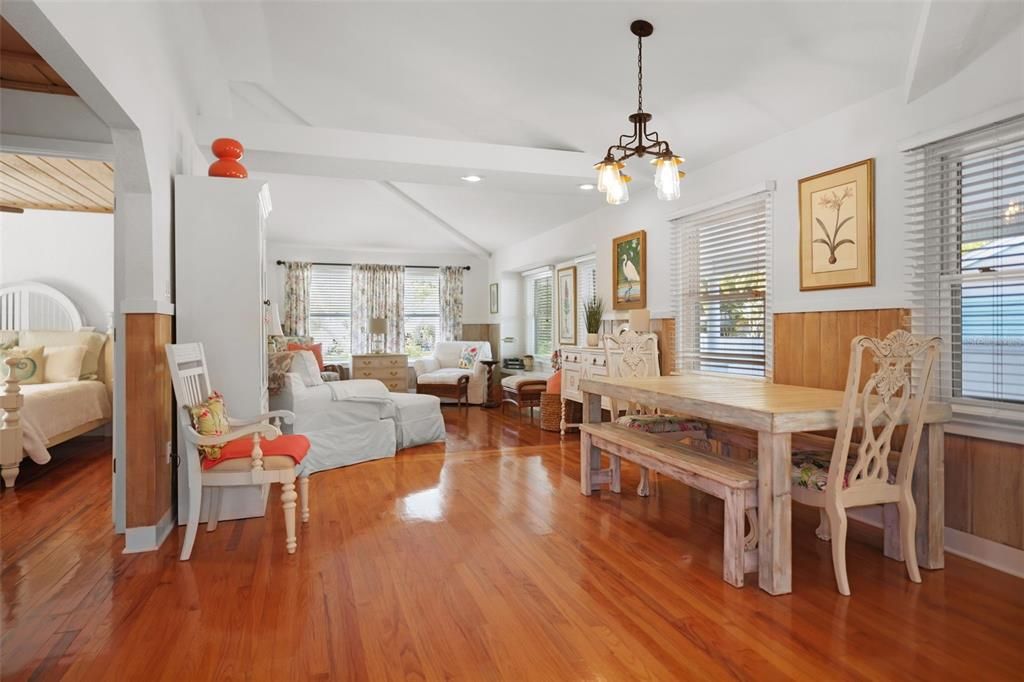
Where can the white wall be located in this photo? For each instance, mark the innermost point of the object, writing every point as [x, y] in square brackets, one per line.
[72, 252]
[475, 301]
[872, 128]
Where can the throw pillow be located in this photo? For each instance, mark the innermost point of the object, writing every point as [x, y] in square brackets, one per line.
[8, 339]
[468, 357]
[63, 363]
[555, 383]
[304, 364]
[278, 364]
[93, 341]
[29, 370]
[210, 418]
[314, 348]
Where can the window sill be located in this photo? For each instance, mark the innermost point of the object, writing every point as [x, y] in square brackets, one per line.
[990, 423]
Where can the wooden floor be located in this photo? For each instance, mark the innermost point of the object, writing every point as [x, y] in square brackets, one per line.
[475, 561]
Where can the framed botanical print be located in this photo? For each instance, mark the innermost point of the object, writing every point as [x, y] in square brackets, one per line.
[566, 281]
[837, 228]
[494, 298]
[629, 271]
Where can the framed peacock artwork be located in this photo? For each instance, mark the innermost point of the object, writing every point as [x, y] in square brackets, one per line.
[837, 228]
[629, 271]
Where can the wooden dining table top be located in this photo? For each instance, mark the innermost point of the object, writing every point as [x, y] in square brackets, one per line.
[751, 403]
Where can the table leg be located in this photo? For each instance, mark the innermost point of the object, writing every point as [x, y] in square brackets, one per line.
[590, 457]
[929, 487]
[774, 504]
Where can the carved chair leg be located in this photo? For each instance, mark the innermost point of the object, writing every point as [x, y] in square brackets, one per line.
[838, 523]
[288, 497]
[191, 523]
[213, 510]
[908, 531]
[304, 497]
[644, 489]
[615, 485]
[750, 539]
[823, 531]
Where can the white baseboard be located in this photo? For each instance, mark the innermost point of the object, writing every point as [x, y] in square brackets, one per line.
[148, 538]
[986, 552]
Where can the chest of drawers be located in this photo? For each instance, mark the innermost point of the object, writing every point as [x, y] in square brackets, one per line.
[392, 369]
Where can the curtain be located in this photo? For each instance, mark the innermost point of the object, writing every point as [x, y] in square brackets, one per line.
[377, 291]
[296, 299]
[451, 302]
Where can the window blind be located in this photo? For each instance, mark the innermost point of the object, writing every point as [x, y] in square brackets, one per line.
[586, 289]
[965, 207]
[540, 310]
[422, 303]
[720, 282]
[330, 310]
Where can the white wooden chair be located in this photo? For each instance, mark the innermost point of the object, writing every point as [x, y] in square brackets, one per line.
[631, 354]
[191, 382]
[842, 479]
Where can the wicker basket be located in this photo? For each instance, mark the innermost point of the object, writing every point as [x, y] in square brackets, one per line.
[550, 411]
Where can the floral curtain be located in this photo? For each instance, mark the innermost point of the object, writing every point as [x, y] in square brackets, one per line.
[377, 291]
[451, 302]
[296, 298]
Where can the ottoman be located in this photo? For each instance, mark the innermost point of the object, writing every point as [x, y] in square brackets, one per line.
[523, 390]
[418, 419]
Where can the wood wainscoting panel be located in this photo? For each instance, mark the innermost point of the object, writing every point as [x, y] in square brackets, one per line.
[148, 415]
[665, 328]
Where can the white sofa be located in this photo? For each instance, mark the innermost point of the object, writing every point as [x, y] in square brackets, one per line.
[443, 368]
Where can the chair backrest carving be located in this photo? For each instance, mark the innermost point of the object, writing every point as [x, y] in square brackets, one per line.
[892, 395]
[631, 354]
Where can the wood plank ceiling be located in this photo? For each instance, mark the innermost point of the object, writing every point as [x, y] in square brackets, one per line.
[21, 67]
[50, 183]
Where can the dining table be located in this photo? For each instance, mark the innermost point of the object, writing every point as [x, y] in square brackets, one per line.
[776, 412]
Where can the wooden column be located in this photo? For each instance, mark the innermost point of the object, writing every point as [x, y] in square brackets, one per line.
[148, 418]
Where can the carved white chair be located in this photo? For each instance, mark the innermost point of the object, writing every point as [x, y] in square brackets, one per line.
[631, 354]
[860, 474]
[254, 452]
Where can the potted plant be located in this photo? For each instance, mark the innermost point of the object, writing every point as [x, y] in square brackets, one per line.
[592, 312]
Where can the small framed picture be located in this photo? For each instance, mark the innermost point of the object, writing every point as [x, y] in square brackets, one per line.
[629, 271]
[837, 228]
[566, 281]
[494, 298]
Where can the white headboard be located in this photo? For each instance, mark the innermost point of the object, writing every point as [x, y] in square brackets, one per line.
[33, 305]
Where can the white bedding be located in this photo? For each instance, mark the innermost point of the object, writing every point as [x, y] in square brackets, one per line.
[52, 409]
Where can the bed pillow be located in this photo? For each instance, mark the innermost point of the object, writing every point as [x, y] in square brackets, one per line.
[315, 348]
[304, 364]
[93, 341]
[62, 363]
[210, 418]
[8, 339]
[30, 372]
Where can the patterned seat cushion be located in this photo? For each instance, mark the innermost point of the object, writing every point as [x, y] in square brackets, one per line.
[810, 470]
[661, 423]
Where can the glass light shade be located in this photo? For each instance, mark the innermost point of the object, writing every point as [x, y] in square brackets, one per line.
[607, 174]
[618, 193]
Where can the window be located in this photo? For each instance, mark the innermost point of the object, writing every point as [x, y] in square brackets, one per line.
[422, 303]
[540, 315]
[720, 282]
[330, 310]
[586, 289]
[966, 205]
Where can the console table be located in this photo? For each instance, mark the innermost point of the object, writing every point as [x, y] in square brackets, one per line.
[587, 362]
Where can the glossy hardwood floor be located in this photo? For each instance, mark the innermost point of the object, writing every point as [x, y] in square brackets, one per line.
[478, 560]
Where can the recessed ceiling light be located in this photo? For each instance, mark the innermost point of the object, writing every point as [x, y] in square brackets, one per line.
[472, 178]
[586, 187]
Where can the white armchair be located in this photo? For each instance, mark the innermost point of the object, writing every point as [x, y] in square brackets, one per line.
[436, 373]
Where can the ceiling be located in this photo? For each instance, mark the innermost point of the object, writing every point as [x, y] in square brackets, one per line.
[50, 183]
[21, 67]
[383, 106]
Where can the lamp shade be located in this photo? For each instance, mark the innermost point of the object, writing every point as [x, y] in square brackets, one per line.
[378, 325]
[640, 320]
[275, 322]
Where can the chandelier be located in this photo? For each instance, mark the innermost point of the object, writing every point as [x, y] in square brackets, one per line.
[610, 178]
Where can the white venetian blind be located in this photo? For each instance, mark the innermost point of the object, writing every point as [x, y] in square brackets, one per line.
[720, 282]
[540, 313]
[422, 302]
[586, 289]
[330, 310]
[965, 205]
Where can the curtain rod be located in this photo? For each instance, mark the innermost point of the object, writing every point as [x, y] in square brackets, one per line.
[464, 267]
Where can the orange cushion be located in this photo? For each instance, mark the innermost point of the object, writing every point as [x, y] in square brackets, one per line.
[555, 383]
[315, 348]
[288, 445]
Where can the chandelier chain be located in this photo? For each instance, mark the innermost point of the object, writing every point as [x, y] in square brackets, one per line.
[639, 73]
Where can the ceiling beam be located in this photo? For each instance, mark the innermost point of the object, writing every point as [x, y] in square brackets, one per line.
[471, 245]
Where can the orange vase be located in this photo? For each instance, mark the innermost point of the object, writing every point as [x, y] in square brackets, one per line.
[228, 152]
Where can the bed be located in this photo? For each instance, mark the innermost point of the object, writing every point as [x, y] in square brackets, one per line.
[38, 416]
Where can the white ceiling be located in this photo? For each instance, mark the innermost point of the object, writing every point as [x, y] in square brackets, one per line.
[343, 89]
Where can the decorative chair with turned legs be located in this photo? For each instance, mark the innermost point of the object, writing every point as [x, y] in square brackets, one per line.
[222, 452]
[860, 474]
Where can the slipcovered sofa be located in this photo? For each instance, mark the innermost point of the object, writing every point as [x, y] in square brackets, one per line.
[443, 368]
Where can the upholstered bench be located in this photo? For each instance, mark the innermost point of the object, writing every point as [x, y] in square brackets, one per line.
[418, 419]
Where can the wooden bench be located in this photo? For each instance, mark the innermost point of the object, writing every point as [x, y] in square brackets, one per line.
[733, 481]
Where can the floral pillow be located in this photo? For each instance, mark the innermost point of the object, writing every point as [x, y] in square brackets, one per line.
[210, 418]
[278, 365]
[468, 358]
